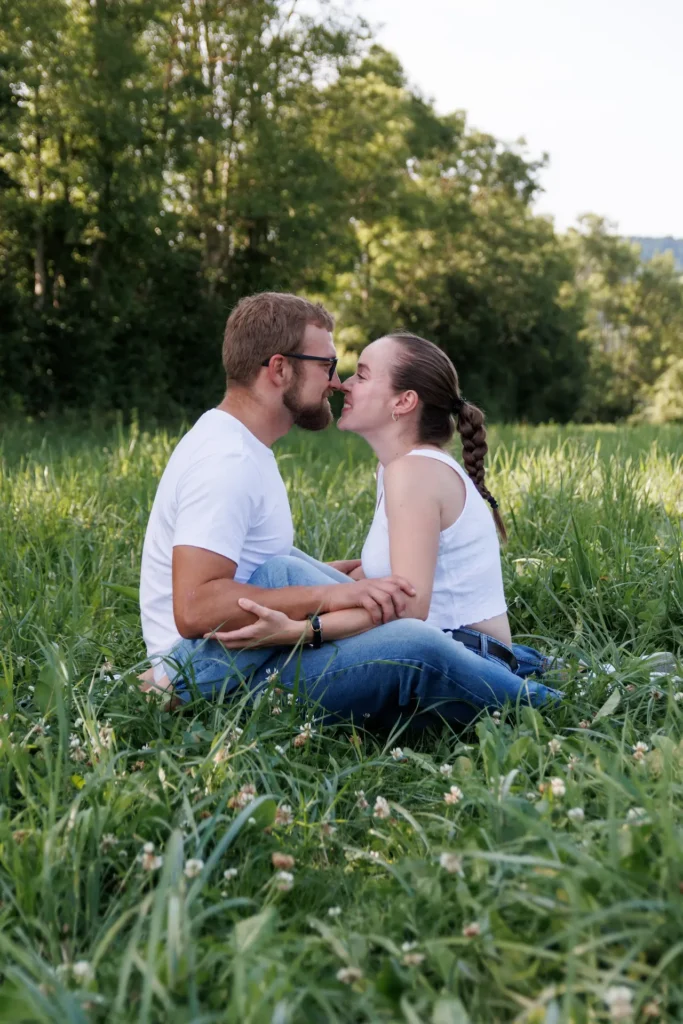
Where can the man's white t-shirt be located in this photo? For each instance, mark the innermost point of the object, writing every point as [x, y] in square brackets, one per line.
[222, 491]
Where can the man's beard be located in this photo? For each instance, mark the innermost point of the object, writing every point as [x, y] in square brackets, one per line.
[308, 417]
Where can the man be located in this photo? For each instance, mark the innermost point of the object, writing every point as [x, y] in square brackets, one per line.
[220, 532]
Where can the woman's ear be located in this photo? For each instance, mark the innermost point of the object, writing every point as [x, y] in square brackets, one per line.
[407, 402]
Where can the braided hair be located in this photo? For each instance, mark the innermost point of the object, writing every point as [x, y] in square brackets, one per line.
[426, 369]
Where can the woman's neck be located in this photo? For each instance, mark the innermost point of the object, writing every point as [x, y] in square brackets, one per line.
[389, 445]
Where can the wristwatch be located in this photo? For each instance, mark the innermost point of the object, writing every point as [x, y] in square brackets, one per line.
[316, 626]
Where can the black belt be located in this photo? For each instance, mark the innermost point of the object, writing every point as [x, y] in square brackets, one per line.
[473, 640]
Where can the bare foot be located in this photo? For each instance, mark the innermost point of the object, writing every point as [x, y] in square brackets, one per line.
[155, 687]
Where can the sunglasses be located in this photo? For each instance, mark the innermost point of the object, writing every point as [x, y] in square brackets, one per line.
[332, 360]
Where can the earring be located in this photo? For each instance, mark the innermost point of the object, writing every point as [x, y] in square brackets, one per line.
[394, 416]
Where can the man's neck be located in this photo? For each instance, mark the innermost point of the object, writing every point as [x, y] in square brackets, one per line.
[264, 423]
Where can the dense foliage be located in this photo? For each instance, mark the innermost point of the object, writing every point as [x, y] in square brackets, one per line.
[161, 158]
[547, 888]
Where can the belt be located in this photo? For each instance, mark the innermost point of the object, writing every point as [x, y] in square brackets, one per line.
[483, 645]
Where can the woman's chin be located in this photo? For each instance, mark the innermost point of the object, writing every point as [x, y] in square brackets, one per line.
[343, 422]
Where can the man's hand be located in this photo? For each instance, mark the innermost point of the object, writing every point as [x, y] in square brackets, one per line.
[383, 599]
[345, 565]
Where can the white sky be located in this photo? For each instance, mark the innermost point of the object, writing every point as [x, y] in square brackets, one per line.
[597, 84]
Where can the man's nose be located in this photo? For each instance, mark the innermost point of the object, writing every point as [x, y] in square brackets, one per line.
[336, 383]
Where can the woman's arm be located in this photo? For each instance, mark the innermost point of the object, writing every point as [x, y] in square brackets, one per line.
[413, 506]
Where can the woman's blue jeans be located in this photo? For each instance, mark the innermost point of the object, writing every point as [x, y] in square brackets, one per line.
[402, 669]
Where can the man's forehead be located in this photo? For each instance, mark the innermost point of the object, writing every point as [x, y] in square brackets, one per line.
[318, 341]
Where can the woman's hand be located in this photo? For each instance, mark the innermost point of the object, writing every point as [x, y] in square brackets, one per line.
[271, 629]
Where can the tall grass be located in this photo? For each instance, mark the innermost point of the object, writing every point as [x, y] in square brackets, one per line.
[549, 891]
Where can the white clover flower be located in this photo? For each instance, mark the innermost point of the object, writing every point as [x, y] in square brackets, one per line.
[397, 753]
[470, 931]
[361, 802]
[576, 814]
[150, 861]
[619, 1000]
[678, 696]
[278, 749]
[284, 880]
[230, 873]
[108, 841]
[334, 911]
[193, 867]
[106, 735]
[451, 862]
[283, 815]
[243, 797]
[447, 770]
[251, 821]
[82, 972]
[557, 786]
[276, 709]
[381, 808]
[349, 975]
[454, 795]
[412, 959]
[554, 745]
[640, 750]
[572, 763]
[636, 816]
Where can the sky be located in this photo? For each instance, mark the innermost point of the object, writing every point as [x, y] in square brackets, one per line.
[596, 84]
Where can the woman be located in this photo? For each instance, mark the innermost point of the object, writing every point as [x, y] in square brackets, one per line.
[432, 524]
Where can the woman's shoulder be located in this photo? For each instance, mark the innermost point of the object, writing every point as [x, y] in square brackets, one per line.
[408, 472]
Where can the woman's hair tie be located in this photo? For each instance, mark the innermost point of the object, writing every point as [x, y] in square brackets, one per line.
[492, 501]
[458, 403]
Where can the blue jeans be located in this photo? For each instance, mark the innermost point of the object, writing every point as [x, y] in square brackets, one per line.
[402, 668]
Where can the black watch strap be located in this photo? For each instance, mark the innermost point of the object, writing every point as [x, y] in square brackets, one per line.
[316, 626]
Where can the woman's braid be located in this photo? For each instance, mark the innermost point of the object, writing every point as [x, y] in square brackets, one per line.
[470, 423]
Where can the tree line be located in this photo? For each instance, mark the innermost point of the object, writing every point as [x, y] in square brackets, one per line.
[161, 158]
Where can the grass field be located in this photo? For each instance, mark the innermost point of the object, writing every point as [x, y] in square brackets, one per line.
[549, 888]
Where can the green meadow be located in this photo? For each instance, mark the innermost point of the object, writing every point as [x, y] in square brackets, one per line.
[234, 863]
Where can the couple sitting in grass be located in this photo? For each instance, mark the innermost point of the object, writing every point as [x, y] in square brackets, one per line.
[417, 627]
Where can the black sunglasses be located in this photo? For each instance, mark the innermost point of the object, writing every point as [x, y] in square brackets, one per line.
[333, 360]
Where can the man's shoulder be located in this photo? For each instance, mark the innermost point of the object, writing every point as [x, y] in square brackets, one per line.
[209, 438]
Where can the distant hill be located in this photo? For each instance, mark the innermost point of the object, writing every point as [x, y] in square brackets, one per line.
[649, 247]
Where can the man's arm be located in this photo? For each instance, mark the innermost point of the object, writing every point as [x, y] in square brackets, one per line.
[205, 595]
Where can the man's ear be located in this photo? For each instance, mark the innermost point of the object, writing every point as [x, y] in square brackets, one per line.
[407, 401]
[278, 370]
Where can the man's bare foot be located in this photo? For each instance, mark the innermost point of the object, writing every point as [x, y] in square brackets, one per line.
[156, 687]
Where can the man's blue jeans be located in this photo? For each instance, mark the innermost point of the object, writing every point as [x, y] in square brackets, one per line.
[403, 668]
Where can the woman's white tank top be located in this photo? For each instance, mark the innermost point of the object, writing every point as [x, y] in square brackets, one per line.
[468, 580]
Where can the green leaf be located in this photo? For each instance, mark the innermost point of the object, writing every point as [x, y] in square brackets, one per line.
[610, 705]
[518, 750]
[450, 1011]
[249, 932]
[132, 593]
